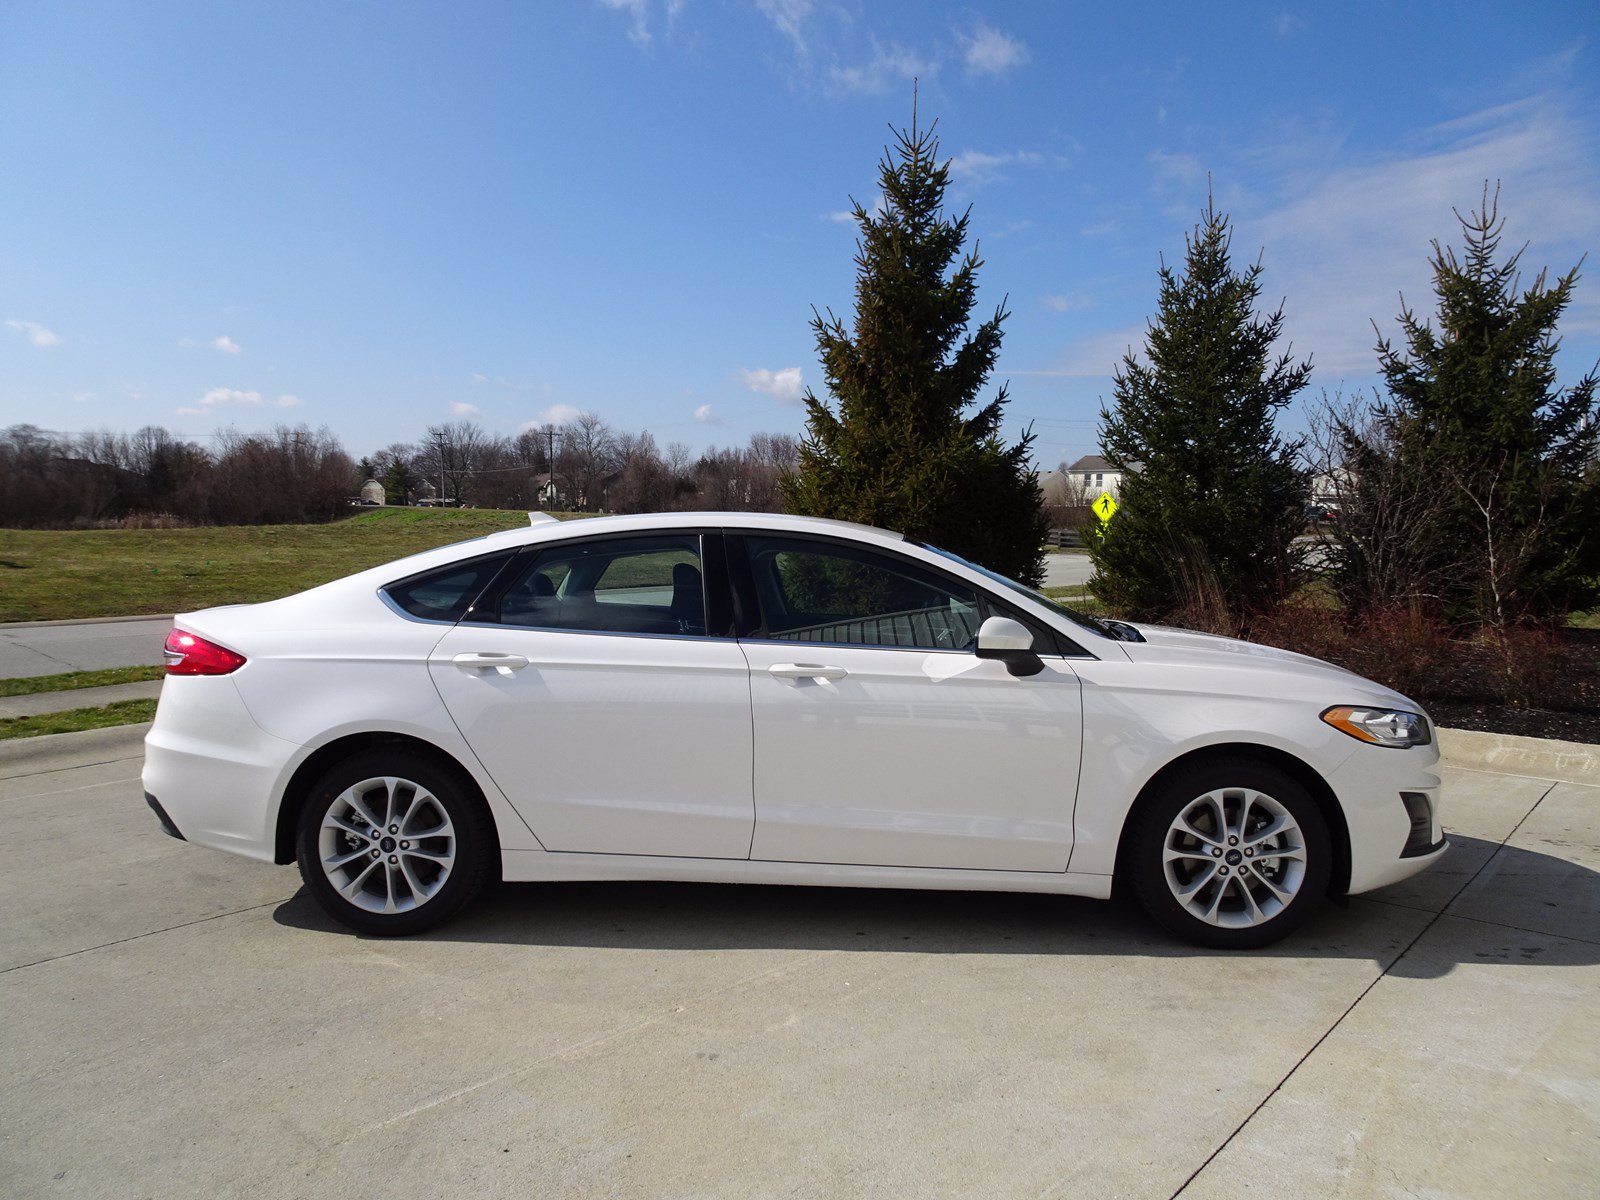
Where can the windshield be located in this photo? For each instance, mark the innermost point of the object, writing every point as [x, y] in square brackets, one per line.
[1093, 624]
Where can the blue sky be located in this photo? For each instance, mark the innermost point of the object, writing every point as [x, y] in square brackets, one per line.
[377, 216]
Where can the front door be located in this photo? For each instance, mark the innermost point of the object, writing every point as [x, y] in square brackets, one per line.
[596, 701]
[880, 738]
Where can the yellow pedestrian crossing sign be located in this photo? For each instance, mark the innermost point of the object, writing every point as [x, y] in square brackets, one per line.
[1104, 507]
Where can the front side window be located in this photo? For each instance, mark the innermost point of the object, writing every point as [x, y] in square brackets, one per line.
[444, 593]
[841, 595]
[612, 585]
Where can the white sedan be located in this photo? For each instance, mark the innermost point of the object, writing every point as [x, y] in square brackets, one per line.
[746, 698]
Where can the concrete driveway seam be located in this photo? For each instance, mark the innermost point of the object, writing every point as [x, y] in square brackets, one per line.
[1566, 937]
[104, 762]
[1354, 1004]
[39, 962]
[87, 787]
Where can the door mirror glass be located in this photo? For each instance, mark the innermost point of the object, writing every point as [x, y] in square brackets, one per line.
[1011, 643]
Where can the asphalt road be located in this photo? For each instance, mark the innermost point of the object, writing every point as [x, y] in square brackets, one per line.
[50, 648]
[182, 1023]
[1067, 570]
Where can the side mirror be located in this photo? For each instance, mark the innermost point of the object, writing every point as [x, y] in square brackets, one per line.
[1011, 643]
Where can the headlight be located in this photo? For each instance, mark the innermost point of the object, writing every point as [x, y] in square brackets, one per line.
[1381, 726]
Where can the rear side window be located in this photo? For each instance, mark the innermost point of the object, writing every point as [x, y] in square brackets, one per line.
[444, 593]
[647, 584]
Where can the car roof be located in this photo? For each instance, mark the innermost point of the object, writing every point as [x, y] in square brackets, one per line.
[557, 530]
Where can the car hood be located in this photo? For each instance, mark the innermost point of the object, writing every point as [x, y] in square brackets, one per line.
[1187, 647]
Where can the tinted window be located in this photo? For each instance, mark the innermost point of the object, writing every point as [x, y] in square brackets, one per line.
[826, 592]
[444, 593]
[612, 585]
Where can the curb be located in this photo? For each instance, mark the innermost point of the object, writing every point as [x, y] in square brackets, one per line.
[1542, 758]
[6, 625]
[53, 751]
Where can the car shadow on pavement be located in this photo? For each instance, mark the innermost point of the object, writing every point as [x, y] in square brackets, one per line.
[703, 916]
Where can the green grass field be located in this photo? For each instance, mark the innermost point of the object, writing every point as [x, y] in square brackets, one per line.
[55, 574]
[123, 712]
[69, 681]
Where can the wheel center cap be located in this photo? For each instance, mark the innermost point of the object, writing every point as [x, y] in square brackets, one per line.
[1234, 858]
[387, 845]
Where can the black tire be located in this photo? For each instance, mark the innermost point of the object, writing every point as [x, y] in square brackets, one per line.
[474, 845]
[1145, 872]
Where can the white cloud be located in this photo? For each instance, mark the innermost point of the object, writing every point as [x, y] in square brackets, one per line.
[973, 167]
[461, 409]
[191, 412]
[639, 13]
[705, 416]
[789, 18]
[83, 397]
[479, 377]
[1067, 303]
[1287, 24]
[990, 52]
[556, 414]
[888, 67]
[1095, 355]
[227, 397]
[1343, 242]
[786, 386]
[36, 334]
[227, 345]
[1175, 172]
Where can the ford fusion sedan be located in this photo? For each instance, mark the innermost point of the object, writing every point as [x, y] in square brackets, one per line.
[747, 698]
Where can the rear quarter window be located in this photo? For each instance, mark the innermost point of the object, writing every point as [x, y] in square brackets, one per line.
[444, 593]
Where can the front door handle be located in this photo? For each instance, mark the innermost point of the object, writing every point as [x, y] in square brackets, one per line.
[805, 671]
[502, 664]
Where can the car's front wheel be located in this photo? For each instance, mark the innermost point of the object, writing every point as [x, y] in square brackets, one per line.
[390, 843]
[1231, 854]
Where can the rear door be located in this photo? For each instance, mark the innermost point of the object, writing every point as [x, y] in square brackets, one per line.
[597, 692]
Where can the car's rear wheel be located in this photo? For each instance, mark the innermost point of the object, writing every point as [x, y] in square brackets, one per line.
[1231, 854]
[389, 843]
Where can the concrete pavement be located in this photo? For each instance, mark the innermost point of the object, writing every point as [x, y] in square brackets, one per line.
[50, 647]
[184, 1023]
[52, 702]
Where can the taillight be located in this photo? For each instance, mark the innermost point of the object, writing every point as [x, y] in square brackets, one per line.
[188, 654]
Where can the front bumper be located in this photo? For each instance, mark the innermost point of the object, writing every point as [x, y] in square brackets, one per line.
[1386, 844]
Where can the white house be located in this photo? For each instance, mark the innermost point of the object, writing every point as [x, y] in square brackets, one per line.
[1091, 475]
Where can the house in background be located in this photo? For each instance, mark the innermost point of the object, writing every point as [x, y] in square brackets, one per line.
[1090, 476]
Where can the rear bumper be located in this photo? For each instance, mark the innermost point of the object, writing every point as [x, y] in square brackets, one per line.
[211, 771]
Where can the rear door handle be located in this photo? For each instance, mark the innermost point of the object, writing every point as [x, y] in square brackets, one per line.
[502, 664]
[805, 671]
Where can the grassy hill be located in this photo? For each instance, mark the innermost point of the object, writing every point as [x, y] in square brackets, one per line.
[56, 574]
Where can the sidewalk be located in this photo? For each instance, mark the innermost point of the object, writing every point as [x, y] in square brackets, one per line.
[50, 702]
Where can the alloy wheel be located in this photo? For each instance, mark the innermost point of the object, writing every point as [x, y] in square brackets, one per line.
[1234, 857]
[387, 845]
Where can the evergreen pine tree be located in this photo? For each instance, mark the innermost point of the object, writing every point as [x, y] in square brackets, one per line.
[1212, 497]
[1473, 408]
[897, 446]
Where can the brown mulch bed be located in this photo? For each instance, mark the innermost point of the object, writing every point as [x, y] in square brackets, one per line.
[1528, 682]
[1524, 722]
